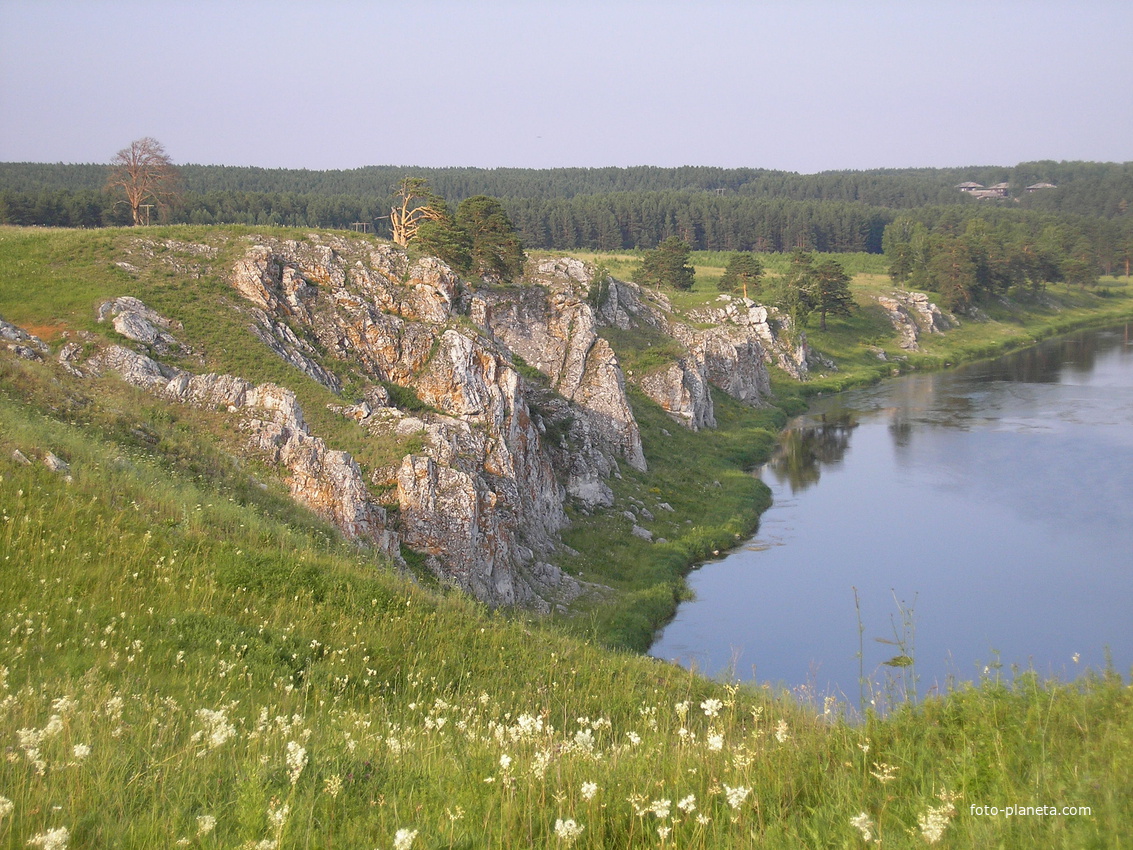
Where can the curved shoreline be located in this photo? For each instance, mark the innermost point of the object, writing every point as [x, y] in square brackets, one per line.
[1008, 346]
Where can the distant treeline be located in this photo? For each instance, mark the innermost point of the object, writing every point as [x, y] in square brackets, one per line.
[598, 208]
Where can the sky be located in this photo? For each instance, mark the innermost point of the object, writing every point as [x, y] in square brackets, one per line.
[806, 86]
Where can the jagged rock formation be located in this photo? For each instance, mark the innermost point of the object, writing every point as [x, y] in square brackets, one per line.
[555, 330]
[912, 314]
[482, 499]
[767, 326]
[137, 322]
[507, 401]
[731, 356]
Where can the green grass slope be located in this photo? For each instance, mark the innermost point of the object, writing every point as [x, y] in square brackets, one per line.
[189, 659]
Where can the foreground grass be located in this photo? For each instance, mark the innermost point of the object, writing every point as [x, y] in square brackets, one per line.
[182, 667]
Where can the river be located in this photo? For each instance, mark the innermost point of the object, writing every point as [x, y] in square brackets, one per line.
[982, 517]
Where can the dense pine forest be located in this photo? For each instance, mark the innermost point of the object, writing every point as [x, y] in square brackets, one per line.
[740, 209]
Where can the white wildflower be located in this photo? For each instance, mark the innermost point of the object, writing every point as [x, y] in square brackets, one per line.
[205, 824]
[661, 808]
[663, 831]
[634, 738]
[277, 815]
[584, 740]
[935, 820]
[296, 760]
[703, 819]
[567, 831]
[736, 796]
[53, 839]
[63, 705]
[6, 807]
[589, 789]
[883, 772]
[404, 839]
[681, 709]
[864, 825]
[781, 733]
[333, 785]
[540, 762]
[711, 707]
[688, 804]
[715, 741]
[80, 751]
[217, 731]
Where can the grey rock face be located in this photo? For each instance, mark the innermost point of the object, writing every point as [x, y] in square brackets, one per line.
[554, 330]
[912, 314]
[21, 343]
[682, 391]
[481, 499]
[137, 322]
[731, 356]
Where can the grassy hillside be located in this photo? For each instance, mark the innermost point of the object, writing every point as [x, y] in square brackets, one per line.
[189, 659]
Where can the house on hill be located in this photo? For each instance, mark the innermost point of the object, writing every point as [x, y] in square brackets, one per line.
[978, 190]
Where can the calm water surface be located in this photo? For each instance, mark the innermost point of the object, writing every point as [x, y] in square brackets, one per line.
[995, 502]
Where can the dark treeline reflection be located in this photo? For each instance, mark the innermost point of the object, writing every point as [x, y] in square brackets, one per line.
[804, 450]
[939, 401]
[1046, 363]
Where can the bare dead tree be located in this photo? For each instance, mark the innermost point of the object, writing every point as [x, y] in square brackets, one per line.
[144, 173]
[418, 204]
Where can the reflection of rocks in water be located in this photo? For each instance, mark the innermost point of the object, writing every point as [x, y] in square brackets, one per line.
[804, 450]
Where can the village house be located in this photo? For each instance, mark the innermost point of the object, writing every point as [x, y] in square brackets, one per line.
[978, 190]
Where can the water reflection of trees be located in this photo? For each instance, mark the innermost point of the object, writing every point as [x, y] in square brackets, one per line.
[804, 450]
[1045, 363]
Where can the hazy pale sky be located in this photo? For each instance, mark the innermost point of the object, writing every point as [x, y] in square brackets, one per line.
[803, 86]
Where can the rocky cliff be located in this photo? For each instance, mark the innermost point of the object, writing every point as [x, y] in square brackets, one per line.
[509, 401]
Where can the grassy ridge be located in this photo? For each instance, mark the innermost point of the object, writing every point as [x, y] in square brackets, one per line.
[180, 666]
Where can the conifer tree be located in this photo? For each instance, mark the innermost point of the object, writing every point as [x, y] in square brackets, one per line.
[742, 274]
[667, 265]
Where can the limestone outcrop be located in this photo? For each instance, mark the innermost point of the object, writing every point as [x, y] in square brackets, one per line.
[135, 321]
[767, 327]
[731, 356]
[495, 407]
[481, 499]
[555, 330]
[913, 314]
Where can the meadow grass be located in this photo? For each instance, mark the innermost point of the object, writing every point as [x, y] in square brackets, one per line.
[181, 667]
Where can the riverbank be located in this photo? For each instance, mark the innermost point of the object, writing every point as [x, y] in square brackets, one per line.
[857, 344]
[920, 503]
[706, 474]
